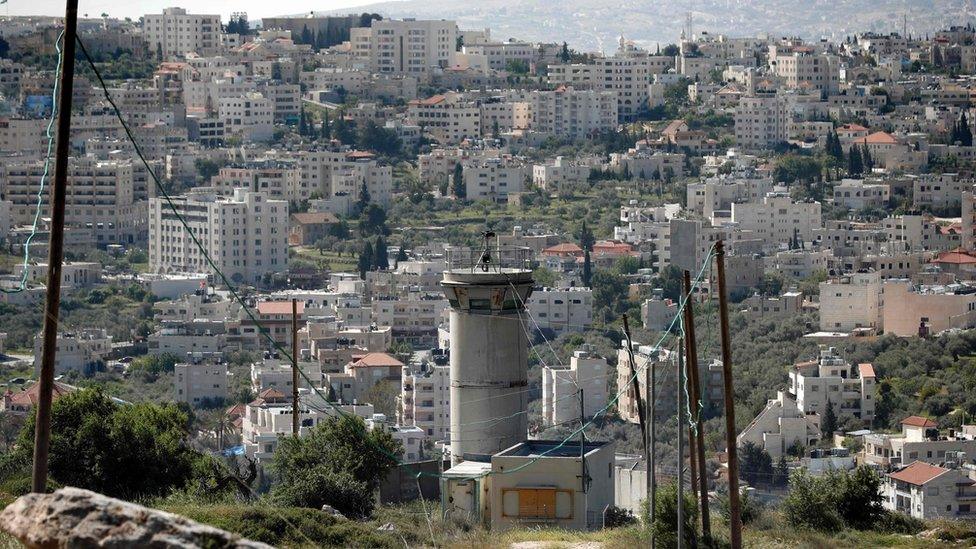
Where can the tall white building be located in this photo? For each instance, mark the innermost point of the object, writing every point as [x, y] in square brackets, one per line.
[199, 380]
[493, 179]
[831, 381]
[761, 121]
[425, 400]
[562, 309]
[851, 301]
[249, 116]
[561, 385]
[100, 197]
[778, 219]
[176, 32]
[244, 234]
[405, 46]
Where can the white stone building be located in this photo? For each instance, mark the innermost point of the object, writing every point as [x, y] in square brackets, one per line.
[425, 400]
[82, 351]
[249, 116]
[831, 381]
[245, 235]
[780, 426]
[561, 310]
[761, 121]
[588, 372]
[405, 46]
[927, 491]
[851, 301]
[778, 219]
[176, 32]
[200, 380]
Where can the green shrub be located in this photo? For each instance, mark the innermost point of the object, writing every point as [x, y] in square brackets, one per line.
[287, 526]
[835, 500]
[321, 486]
[666, 517]
[891, 522]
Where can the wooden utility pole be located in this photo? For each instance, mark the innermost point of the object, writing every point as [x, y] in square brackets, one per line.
[652, 451]
[681, 447]
[648, 457]
[55, 254]
[633, 378]
[695, 382]
[735, 509]
[294, 367]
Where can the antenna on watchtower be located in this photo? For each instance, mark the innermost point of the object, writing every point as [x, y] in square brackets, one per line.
[486, 253]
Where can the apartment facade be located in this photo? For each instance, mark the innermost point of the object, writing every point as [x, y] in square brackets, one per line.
[200, 380]
[244, 234]
[831, 381]
[562, 310]
[587, 372]
[175, 32]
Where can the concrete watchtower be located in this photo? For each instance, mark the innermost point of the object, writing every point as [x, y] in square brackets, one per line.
[487, 290]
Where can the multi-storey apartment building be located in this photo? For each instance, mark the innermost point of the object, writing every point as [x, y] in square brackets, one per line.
[414, 317]
[832, 381]
[100, 198]
[200, 380]
[570, 113]
[81, 351]
[801, 68]
[175, 32]
[562, 309]
[448, 117]
[249, 116]
[425, 400]
[920, 440]
[493, 179]
[561, 385]
[778, 219]
[851, 301]
[761, 121]
[405, 46]
[245, 235]
[333, 172]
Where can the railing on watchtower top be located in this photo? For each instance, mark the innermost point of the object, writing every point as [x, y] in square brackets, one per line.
[489, 259]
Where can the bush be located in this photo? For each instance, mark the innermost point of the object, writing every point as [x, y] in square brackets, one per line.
[615, 516]
[320, 486]
[287, 527]
[836, 500]
[891, 522]
[751, 508]
[666, 517]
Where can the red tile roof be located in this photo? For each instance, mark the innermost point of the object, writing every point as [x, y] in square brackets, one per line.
[877, 138]
[566, 248]
[959, 256]
[313, 218]
[377, 360]
[918, 421]
[918, 473]
[865, 370]
[278, 307]
[28, 397]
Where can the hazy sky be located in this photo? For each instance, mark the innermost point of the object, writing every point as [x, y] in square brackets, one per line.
[255, 8]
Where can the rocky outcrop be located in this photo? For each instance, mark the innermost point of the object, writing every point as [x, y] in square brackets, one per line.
[72, 517]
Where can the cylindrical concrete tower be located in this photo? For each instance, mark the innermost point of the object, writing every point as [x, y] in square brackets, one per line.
[487, 290]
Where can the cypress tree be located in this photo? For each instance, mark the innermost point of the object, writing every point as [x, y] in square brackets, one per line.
[965, 133]
[460, 192]
[365, 262]
[855, 166]
[381, 259]
[587, 269]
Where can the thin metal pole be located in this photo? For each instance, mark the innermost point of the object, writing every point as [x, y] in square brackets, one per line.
[696, 397]
[681, 447]
[55, 255]
[294, 367]
[735, 510]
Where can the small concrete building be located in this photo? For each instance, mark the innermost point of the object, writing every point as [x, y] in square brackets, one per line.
[202, 379]
[534, 483]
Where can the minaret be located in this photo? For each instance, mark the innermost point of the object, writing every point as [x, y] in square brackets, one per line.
[487, 290]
